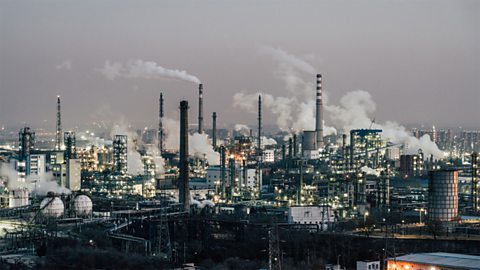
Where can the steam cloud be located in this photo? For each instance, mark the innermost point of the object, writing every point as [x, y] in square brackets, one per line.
[198, 145]
[296, 112]
[354, 112]
[134, 159]
[144, 70]
[39, 186]
[369, 171]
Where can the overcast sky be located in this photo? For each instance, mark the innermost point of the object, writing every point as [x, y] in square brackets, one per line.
[420, 60]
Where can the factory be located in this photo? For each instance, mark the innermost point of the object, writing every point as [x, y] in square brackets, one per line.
[148, 195]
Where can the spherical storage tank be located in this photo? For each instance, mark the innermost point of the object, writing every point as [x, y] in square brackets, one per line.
[52, 207]
[82, 205]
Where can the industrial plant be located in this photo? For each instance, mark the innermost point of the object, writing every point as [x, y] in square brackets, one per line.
[267, 199]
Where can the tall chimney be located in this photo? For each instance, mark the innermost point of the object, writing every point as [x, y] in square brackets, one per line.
[223, 180]
[319, 116]
[184, 189]
[160, 126]
[214, 130]
[200, 108]
[259, 139]
[295, 145]
[58, 135]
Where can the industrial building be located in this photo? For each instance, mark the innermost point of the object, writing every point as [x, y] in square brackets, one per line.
[436, 260]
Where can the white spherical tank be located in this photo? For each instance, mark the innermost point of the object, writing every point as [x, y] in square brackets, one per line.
[52, 207]
[82, 206]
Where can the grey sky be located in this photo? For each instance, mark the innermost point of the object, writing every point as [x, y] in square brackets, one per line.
[420, 60]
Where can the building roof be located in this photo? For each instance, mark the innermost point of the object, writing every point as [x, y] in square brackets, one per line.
[453, 260]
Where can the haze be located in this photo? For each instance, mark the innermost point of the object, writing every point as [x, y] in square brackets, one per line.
[420, 60]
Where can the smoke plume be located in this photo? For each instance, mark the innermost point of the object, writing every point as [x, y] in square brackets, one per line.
[295, 112]
[198, 145]
[134, 159]
[36, 185]
[144, 70]
[242, 129]
[355, 112]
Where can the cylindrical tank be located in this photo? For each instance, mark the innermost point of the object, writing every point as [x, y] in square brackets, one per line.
[82, 205]
[18, 197]
[309, 141]
[443, 195]
[52, 207]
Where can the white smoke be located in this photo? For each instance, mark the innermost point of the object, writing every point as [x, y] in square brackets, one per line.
[268, 141]
[134, 159]
[292, 115]
[242, 129]
[46, 185]
[199, 145]
[158, 160]
[144, 70]
[36, 185]
[355, 112]
[172, 133]
[202, 204]
[297, 111]
[370, 171]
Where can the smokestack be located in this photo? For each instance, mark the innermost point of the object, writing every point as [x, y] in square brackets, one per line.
[295, 145]
[222, 171]
[290, 148]
[231, 165]
[214, 130]
[244, 167]
[319, 115]
[200, 108]
[184, 190]
[160, 126]
[58, 135]
[259, 139]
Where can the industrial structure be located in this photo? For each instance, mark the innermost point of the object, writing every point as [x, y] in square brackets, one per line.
[274, 193]
[58, 134]
[161, 139]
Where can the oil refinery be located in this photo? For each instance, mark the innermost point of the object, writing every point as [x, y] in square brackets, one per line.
[233, 135]
[251, 187]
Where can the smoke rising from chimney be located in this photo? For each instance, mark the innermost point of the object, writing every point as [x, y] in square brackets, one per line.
[355, 111]
[144, 70]
[295, 112]
[199, 144]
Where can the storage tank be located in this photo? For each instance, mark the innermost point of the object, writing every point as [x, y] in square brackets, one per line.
[82, 205]
[443, 195]
[52, 207]
[18, 197]
[309, 141]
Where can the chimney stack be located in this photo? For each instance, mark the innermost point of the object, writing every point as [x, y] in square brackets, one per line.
[59, 134]
[200, 108]
[319, 115]
[160, 126]
[184, 189]
[214, 130]
[259, 139]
